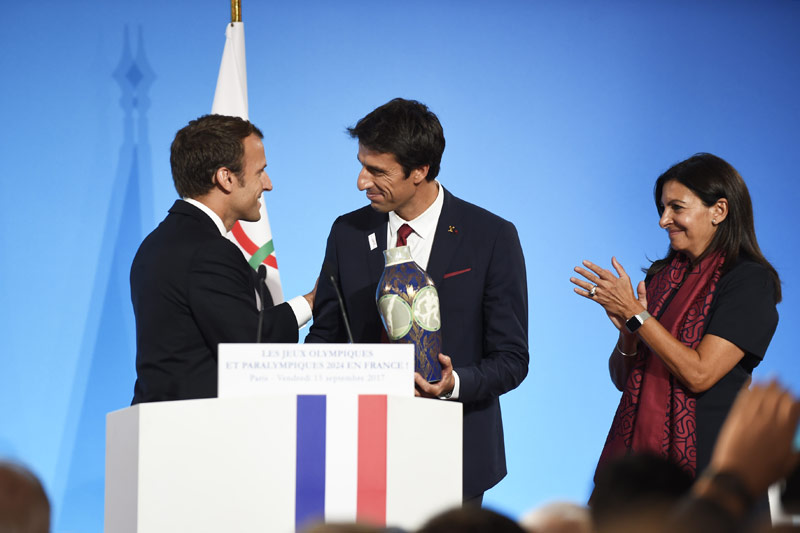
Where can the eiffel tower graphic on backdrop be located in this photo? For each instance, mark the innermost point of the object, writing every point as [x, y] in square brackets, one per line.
[105, 372]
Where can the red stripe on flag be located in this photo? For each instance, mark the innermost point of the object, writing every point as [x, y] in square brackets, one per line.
[249, 246]
[371, 492]
[243, 240]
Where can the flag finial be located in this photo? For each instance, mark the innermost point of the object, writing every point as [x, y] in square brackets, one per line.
[236, 10]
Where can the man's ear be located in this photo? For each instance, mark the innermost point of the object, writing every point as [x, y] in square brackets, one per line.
[224, 178]
[719, 211]
[419, 174]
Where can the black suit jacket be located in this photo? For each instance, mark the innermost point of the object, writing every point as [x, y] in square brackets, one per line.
[191, 290]
[477, 265]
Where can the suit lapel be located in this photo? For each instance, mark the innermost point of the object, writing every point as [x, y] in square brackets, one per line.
[446, 239]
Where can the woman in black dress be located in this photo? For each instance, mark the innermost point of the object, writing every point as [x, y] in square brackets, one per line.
[692, 332]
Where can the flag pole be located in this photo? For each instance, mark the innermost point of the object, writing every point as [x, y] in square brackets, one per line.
[236, 10]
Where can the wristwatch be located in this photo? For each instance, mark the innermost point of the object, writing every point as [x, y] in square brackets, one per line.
[636, 321]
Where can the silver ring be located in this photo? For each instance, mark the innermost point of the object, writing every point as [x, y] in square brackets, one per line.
[593, 291]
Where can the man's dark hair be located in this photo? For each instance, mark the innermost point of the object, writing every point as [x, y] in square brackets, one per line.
[24, 506]
[406, 129]
[470, 519]
[636, 487]
[204, 146]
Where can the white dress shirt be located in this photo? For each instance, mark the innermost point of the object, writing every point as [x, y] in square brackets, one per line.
[420, 241]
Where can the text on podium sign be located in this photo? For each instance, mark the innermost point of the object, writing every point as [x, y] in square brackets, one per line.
[261, 369]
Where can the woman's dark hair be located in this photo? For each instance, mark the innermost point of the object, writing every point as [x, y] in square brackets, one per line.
[710, 178]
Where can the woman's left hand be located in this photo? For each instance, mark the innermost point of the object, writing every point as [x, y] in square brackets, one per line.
[613, 292]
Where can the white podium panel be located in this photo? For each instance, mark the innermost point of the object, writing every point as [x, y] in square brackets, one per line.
[274, 463]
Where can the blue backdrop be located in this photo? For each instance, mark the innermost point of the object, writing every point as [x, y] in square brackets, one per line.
[559, 115]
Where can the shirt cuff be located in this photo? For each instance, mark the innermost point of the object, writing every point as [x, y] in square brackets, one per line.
[453, 395]
[302, 311]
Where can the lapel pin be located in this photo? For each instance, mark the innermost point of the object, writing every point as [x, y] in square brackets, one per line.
[452, 229]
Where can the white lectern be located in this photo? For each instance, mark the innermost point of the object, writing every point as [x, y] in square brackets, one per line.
[274, 463]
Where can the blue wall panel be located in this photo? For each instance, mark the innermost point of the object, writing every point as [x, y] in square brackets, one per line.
[558, 116]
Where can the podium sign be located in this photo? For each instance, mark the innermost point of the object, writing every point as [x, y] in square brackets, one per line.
[259, 369]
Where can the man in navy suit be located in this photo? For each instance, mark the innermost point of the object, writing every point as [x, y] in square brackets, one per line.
[191, 287]
[474, 258]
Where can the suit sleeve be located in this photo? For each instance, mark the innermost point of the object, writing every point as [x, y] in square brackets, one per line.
[328, 325]
[504, 362]
[222, 298]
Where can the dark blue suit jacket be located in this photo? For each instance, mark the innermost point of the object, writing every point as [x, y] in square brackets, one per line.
[479, 271]
[191, 290]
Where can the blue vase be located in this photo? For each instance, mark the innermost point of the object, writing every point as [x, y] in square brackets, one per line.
[409, 307]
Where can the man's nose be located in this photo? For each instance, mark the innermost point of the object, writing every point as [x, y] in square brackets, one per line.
[266, 183]
[364, 180]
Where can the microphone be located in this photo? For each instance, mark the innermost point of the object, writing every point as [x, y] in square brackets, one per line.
[327, 271]
[261, 282]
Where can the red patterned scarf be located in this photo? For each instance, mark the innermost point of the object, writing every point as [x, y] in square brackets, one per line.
[656, 413]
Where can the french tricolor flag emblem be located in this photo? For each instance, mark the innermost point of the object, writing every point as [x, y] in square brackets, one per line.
[358, 460]
[345, 446]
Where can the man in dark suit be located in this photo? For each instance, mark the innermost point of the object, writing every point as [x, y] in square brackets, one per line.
[191, 287]
[473, 256]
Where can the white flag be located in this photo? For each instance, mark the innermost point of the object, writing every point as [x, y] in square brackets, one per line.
[254, 239]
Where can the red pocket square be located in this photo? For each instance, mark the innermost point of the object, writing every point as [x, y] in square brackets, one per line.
[456, 273]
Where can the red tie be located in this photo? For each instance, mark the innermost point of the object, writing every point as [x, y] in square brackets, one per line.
[402, 234]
